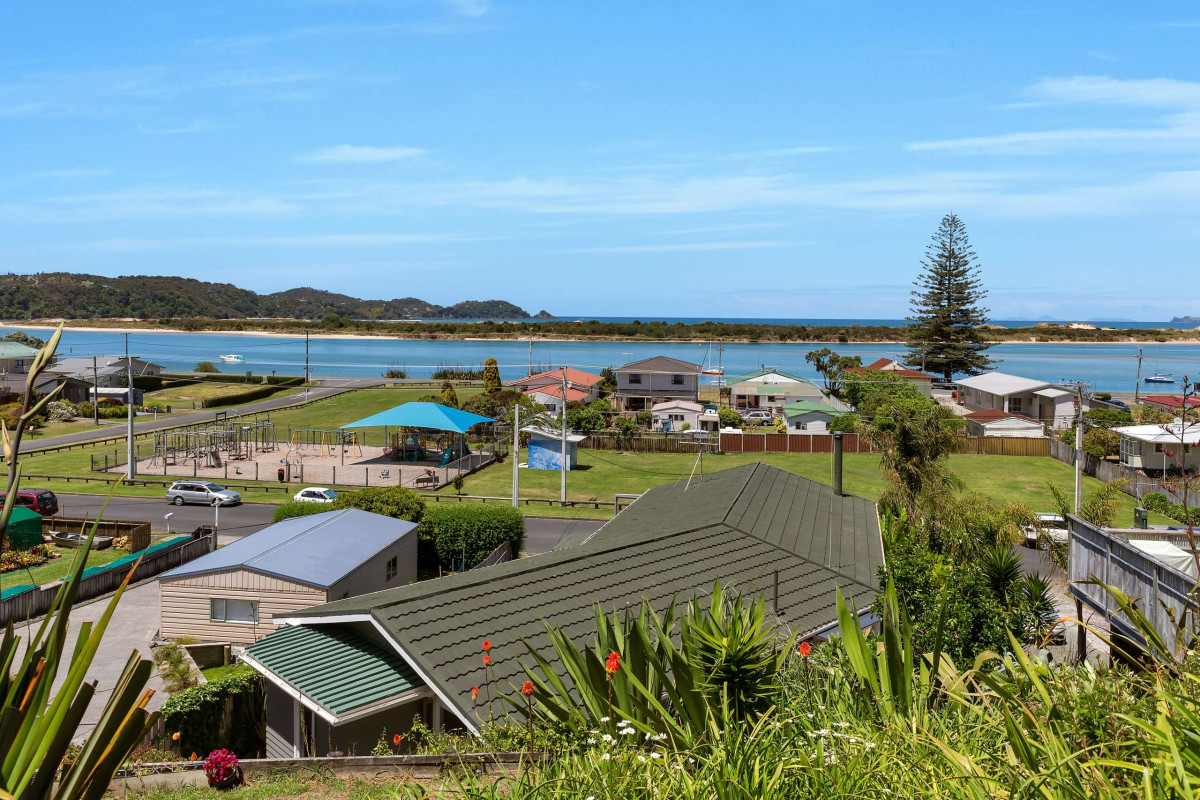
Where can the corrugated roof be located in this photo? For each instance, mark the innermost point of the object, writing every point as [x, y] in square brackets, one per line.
[660, 364]
[886, 365]
[16, 350]
[989, 415]
[762, 373]
[317, 550]
[810, 407]
[741, 526]
[363, 673]
[1000, 383]
[573, 395]
[680, 405]
[576, 376]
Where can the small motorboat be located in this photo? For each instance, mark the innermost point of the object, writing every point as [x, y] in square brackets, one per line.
[73, 541]
[233, 358]
[1158, 379]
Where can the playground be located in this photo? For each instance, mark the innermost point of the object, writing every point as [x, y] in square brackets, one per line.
[423, 449]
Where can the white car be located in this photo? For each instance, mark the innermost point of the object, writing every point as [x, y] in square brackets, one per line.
[315, 494]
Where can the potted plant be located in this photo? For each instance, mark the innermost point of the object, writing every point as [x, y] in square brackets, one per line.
[222, 770]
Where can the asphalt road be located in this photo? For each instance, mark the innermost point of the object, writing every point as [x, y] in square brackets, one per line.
[541, 533]
[326, 387]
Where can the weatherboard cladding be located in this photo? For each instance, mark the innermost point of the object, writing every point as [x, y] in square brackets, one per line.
[364, 673]
[671, 543]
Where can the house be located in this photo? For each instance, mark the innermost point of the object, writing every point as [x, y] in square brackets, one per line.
[1169, 402]
[577, 379]
[922, 380]
[809, 416]
[546, 449]
[991, 422]
[770, 389]
[15, 358]
[674, 416]
[642, 384]
[107, 372]
[1045, 402]
[1150, 447]
[551, 396]
[416, 650]
[238, 592]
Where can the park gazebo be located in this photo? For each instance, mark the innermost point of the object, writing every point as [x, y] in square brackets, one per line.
[412, 421]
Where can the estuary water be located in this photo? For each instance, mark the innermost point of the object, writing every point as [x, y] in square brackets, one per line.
[1107, 367]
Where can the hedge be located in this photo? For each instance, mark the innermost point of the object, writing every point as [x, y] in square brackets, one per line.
[284, 380]
[294, 508]
[390, 501]
[240, 397]
[196, 715]
[467, 534]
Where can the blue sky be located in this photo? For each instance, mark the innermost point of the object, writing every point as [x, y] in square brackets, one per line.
[691, 159]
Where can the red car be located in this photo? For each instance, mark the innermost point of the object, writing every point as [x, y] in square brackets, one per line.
[43, 501]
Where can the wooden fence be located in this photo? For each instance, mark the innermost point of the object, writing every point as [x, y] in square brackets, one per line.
[1161, 592]
[36, 602]
[650, 442]
[1136, 483]
[791, 443]
[138, 532]
[796, 443]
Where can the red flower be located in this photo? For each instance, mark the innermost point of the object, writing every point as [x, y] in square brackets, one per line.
[396, 740]
[805, 649]
[527, 688]
[487, 661]
[612, 664]
[474, 692]
[486, 645]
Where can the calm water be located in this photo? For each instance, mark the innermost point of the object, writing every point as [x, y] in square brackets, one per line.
[1109, 367]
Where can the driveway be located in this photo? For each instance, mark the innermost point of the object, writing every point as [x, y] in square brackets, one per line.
[132, 627]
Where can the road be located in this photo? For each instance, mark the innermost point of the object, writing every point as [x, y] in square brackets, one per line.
[326, 387]
[541, 533]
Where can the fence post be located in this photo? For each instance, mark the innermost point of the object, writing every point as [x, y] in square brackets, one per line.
[366, 476]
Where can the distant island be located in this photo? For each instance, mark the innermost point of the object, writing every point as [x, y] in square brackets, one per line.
[1188, 320]
[76, 296]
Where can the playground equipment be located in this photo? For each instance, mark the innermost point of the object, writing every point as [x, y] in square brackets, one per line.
[212, 445]
[326, 442]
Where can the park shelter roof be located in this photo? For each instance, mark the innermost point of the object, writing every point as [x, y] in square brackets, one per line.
[316, 550]
[757, 529]
[422, 415]
[366, 674]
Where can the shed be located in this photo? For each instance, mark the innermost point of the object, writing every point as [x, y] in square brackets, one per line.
[807, 415]
[234, 594]
[546, 446]
[991, 422]
[24, 528]
[676, 415]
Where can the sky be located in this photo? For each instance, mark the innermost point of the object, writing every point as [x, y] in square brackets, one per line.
[611, 159]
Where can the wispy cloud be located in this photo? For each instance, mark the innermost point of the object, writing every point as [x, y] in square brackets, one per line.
[686, 247]
[353, 154]
[137, 245]
[142, 203]
[469, 8]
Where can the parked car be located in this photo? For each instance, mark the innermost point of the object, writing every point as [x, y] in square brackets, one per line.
[42, 501]
[202, 492]
[1118, 404]
[315, 494]
[758, 417]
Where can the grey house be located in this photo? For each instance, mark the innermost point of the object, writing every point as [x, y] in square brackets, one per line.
[238, 592]
[643, 384]
[342, 672]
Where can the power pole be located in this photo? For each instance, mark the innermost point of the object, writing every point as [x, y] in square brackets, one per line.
[1137, 385]
[1078, 447]
[131, 471]
[95, 394]
[563, 481]
[306, 373]
[516, 451]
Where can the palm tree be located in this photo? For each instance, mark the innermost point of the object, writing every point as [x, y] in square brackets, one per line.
[914, 438]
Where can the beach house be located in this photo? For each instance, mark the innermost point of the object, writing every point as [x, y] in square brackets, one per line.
[642, 384]
[1042, 401]
[770, 389]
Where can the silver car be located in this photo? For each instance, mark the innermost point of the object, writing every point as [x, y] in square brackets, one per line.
[203, 492]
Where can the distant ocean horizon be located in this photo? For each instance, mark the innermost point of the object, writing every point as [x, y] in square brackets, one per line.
[813, 321]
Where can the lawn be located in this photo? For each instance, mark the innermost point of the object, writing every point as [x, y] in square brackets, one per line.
[191, 397]
[53, 570]
[344, 408]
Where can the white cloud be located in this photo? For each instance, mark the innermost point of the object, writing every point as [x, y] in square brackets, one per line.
[353, 154]
[469, 8]
[144, 202]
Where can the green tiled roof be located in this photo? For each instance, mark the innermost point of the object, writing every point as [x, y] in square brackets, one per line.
[743, 526]
[758, 373]
[333, 666]
[808, 407]
[16, 350]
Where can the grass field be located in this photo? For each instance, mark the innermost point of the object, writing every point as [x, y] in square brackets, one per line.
[53, 570]
[189, 397]
[344, 408]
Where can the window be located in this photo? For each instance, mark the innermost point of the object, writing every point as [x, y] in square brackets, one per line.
[221, 609]
[635, 377]
[677, 380]
[1014, 405]
[391, 568]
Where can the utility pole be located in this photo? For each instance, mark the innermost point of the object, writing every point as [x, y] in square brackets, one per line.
[131, 471]
[516, 451]
[95, 394]
[1078, 447]
[530, 356]
[306, 372]
[1137, 385]
[563, 482]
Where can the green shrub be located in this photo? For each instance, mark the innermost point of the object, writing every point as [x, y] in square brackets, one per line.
[196, 714]
[644, 418]
[729, 418]
[205, 366]
[293, 508]
[390, 501]
[239, 397]
[461, 533]
[284, 380]
[1157, 502]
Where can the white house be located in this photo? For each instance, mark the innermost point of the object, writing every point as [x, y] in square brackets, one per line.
[997, 391]
[770, 389]
[991, 422]
[1150, 447]
[643, 384]
[809, 416]
[673, 415]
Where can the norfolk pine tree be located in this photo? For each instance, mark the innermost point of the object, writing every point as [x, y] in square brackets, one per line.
[945, 335]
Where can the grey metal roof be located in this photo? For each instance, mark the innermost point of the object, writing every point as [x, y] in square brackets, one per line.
[317, 550]
[660, 364]
[746, 527]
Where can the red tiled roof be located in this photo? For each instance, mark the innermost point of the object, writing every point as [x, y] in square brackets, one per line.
[882, 364]
[573, 395]
[995, 415]
[576, 376]
[1170, 400]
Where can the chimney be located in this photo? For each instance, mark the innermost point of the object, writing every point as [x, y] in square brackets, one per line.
[837, 463]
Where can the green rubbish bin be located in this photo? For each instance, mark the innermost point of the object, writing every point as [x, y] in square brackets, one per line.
[24, 528]
[1141, 518]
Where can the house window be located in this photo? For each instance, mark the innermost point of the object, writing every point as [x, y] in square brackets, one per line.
[635, 378]
[1014, 405]
[221, 609]
[391, 568]
[677, 380]
[18, 365]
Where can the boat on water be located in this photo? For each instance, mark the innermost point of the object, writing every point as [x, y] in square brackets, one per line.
[233, 358]
[1158, 379]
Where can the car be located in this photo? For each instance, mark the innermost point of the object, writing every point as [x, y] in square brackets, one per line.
[758, 417]
[42, 501]
[1118, 404]
[315, 494]
[203, 492]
